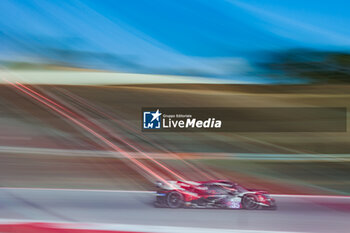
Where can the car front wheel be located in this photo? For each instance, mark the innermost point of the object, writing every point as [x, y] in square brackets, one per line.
[250, 202]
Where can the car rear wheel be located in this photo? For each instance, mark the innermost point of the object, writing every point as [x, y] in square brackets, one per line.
[250, 202]
[175, 200]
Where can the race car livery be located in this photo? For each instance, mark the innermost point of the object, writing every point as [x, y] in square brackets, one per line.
[211, 194]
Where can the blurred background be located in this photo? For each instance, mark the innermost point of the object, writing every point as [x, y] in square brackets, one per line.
[75, 75]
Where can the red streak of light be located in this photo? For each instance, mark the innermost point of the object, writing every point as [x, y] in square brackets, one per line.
[47, 99]
[119, 138]
[106, 141]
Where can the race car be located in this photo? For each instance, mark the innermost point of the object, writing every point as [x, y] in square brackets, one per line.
[211, 194]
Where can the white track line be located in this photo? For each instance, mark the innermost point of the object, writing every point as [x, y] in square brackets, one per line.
[79, 190]
[150, 192]
[135, 228]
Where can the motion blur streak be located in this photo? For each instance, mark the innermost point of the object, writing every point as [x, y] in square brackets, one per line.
[117, 137]
[103, 139]
[102, 112]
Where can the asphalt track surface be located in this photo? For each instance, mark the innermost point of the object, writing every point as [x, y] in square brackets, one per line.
[297, 214]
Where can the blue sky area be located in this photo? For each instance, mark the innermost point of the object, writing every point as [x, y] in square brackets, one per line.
[201, 37]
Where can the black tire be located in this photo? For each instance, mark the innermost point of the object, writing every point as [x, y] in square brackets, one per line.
[250, 202]
[175, 200]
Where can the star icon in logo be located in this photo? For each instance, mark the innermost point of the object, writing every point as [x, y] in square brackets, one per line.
[156, 115]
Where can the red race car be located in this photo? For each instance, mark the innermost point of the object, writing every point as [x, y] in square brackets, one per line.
[211, 194]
